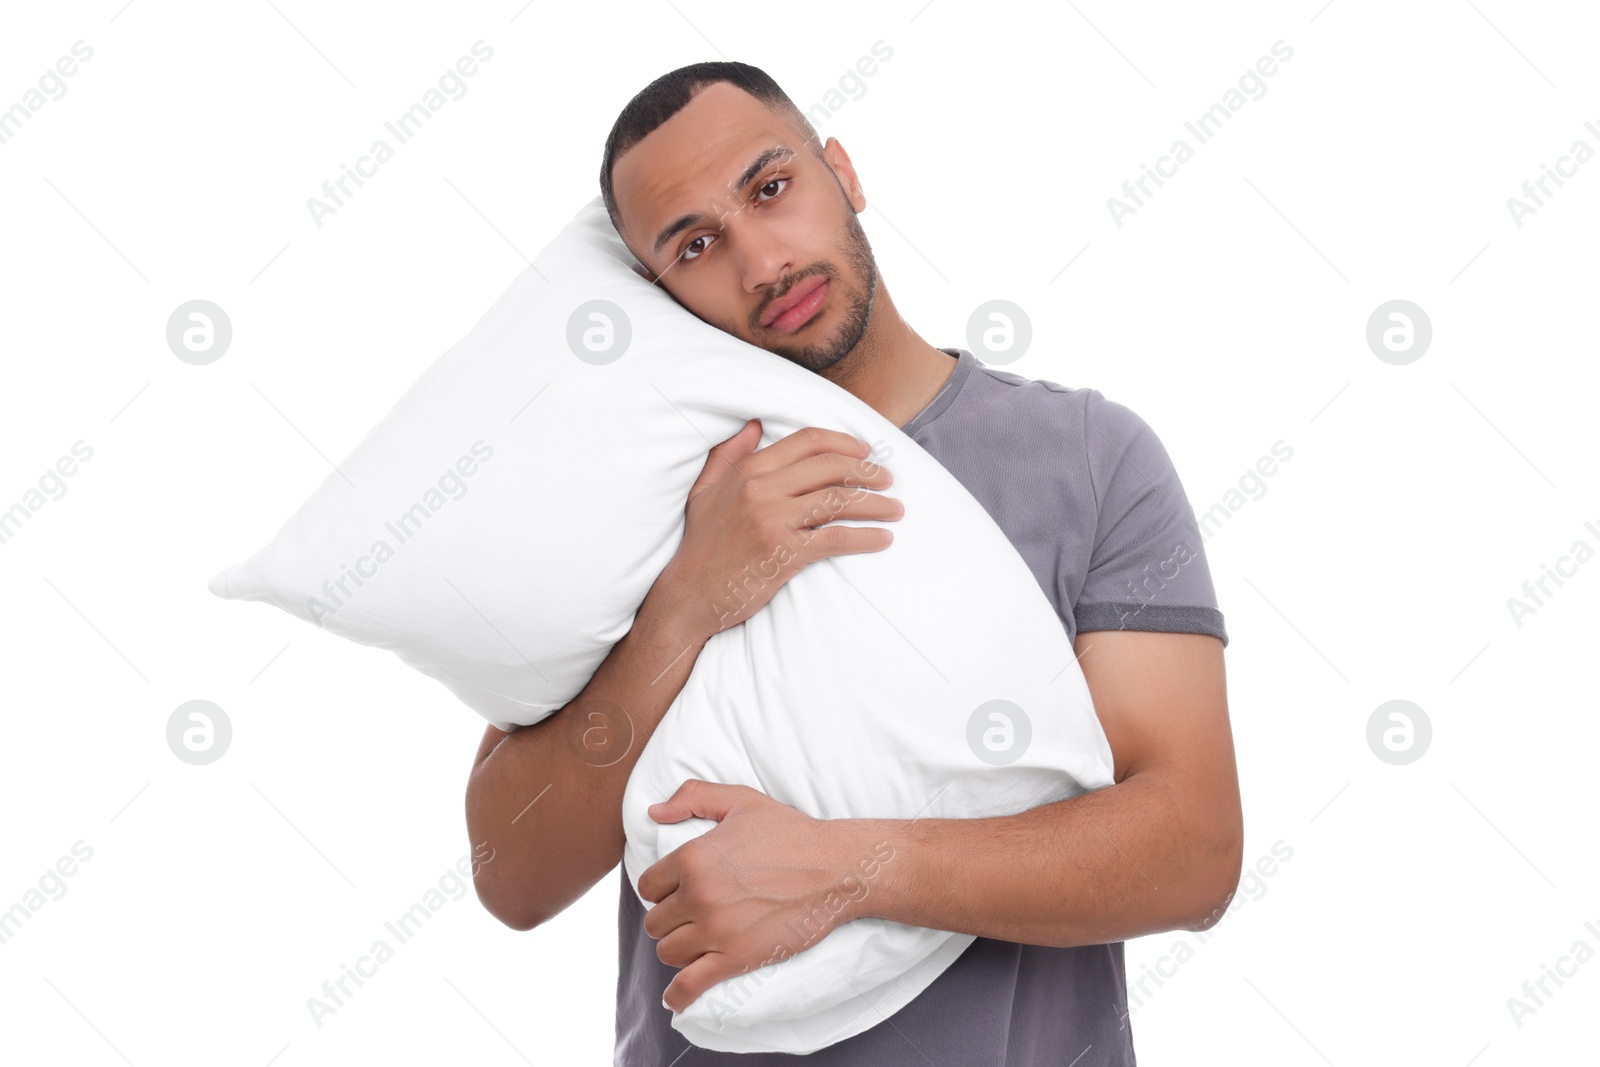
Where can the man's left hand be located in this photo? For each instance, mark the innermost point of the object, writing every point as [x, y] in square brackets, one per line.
[760, 886]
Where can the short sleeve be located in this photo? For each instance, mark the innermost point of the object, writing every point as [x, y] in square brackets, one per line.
[1147, 569]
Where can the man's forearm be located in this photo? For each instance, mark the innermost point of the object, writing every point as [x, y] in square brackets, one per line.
[1124, 861]
[548, 797]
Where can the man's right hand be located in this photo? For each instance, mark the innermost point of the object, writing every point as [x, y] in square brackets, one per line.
[751, 517]
[750, 511]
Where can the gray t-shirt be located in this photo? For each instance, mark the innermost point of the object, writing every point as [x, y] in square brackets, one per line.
[1085, 491]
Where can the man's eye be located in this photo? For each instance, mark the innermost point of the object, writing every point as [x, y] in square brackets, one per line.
[769, 185]
[686, 257]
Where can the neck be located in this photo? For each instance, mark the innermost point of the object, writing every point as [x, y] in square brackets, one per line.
[892, 369]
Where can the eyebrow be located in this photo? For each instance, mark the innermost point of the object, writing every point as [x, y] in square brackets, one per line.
[683, 222]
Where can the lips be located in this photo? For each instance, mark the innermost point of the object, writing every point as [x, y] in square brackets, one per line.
[790, 312]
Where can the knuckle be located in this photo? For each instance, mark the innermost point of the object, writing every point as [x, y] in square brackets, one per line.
[825, 509]
[698, 862]
[688, 863]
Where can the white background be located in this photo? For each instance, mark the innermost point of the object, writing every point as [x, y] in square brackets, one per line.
[1229, 311]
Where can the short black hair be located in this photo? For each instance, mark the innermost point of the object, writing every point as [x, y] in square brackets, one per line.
[667, 95]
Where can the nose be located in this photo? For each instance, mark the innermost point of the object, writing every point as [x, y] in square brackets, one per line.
[764, 259]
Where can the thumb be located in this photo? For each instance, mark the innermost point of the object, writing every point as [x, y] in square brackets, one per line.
[696, 799]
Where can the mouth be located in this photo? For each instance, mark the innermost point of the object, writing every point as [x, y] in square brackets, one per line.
[798, 308]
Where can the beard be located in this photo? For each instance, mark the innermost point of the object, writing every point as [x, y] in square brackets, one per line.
[856, 310]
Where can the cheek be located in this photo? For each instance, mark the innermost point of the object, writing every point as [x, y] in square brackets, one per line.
[714, 297]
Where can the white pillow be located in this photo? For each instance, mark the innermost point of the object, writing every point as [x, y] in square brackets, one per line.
[501, 525]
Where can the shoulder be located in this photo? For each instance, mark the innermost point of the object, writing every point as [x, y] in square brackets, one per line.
[1106, 433]
[1037, 407]
[1083, 405]
[1042, 391]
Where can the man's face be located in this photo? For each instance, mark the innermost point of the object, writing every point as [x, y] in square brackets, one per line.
[736, 218]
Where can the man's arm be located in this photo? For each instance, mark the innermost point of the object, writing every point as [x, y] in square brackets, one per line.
[548, 797]
[1160, 849]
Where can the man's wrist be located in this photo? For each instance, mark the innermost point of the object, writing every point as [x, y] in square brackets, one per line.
[671, 622]
[867, 849]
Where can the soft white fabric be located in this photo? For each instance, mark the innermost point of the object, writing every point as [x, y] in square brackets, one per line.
[546, 493]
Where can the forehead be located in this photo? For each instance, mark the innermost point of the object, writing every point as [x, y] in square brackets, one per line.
[694, 158]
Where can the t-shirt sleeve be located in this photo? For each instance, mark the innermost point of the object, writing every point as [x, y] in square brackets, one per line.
[1147, 569]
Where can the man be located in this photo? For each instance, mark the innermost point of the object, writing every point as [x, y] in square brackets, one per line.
[717, 184]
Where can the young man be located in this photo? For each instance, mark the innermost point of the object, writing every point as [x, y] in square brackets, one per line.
[717, 184]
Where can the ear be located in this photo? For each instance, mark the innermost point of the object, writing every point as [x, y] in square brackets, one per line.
[839, 160]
